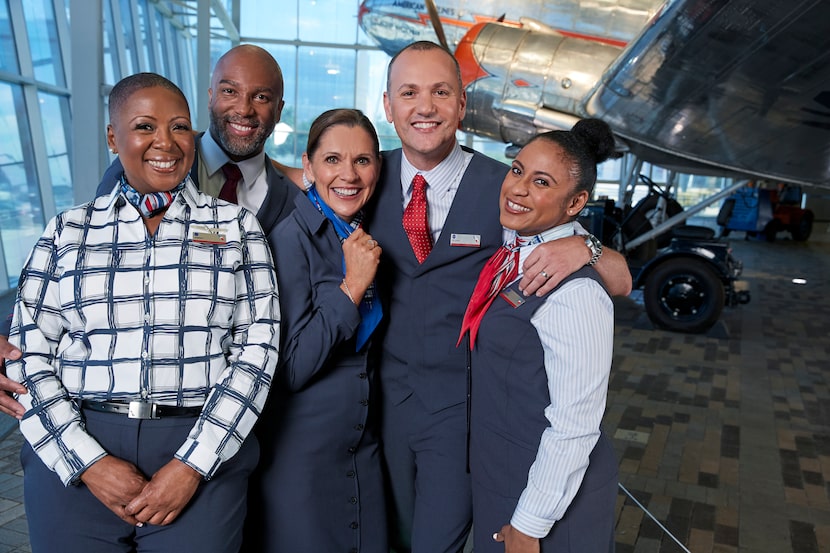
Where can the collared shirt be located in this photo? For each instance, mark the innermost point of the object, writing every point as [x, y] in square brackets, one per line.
[253, 187]
[107, 312]
[576, 328]
[442, 184]
[510, 235]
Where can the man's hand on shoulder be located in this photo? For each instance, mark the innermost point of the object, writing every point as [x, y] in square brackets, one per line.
[8, 404]
[552, 261]
[294, 174]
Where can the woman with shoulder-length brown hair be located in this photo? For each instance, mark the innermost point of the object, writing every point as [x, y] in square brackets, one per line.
[319, 486]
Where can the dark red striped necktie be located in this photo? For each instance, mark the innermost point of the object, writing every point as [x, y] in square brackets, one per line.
[232, 177]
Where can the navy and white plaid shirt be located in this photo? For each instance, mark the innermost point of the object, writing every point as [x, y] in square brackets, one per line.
[106, 312]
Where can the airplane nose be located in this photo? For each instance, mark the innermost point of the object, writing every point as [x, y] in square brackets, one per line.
[362, 10]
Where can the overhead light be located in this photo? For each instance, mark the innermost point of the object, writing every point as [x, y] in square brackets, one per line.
[799, 281]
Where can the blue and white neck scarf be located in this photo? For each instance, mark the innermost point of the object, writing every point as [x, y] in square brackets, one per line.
[369, 308]
[149, 205]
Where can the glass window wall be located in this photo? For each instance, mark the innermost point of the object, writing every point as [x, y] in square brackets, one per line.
[43, 41]
[55, 111]
[21, 215]
[327, 61]
[124, 26]
[332, 21]
[8, 50]
[282, 27]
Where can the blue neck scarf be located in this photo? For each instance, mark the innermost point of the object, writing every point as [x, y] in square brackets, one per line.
[149, 205]
[369, 308]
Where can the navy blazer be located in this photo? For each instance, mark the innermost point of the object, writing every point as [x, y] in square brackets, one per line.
[278, 202]
[319, 483]
[426, 302]
[318, 320]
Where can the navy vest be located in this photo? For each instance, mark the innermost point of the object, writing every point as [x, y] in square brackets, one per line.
[509, 393]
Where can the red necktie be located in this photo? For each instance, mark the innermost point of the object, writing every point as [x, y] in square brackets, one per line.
[232, 177]
[501, 269]
[415, 219]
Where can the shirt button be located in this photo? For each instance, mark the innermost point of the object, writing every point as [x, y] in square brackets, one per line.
[352, 449]
[354, 525]
[146, 280]
[364, 402]
[358, 427]
[144, 355]
[352, 500]
[350, 474]
[362, 376]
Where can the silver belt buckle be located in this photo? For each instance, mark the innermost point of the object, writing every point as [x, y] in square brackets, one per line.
[142, 410]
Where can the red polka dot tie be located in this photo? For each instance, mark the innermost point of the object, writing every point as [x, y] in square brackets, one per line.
[232, 177]
[415, 219]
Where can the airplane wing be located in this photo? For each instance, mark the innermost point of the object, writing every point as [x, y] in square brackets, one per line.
[735, 86]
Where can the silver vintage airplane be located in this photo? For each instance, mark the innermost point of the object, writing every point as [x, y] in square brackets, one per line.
[727, 87]
[737, 88]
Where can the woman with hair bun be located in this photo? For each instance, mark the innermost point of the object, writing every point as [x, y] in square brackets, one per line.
[544, 475]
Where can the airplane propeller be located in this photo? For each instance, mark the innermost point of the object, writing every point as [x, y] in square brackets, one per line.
[436, 23]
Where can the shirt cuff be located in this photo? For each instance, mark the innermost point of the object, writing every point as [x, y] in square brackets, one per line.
[200, 457]
[68, 453]
[70, 468]
[530, 524]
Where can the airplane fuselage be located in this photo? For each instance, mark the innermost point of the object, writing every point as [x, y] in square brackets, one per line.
[395, 23]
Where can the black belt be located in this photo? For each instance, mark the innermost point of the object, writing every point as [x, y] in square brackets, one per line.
[141, 409]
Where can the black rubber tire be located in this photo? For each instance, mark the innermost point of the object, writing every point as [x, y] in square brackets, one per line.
[801, 232]
[684, 295]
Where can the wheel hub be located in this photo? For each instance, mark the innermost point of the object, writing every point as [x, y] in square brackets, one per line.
[683, 296]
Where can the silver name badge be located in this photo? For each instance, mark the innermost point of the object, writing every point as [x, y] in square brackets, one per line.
[466, 240]
[513, 297]
[209, 235]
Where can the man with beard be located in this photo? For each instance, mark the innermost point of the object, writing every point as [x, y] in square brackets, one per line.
[245, 102]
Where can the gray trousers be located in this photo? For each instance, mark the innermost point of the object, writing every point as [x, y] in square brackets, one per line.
[72, 520]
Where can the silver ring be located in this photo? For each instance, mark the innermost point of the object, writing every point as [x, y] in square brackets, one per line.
[544, 274]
